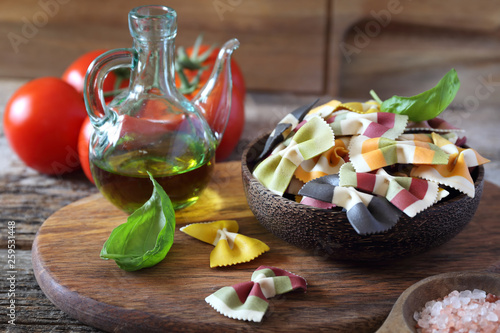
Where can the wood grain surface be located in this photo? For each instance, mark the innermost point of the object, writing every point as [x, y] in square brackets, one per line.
[286, 45]
[43, 37]
[341, 296]
[403, 47]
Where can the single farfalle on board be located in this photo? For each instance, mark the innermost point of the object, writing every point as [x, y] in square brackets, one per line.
[231, 248]
[248, 300]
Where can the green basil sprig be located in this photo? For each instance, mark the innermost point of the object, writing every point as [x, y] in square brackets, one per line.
[145, 239]
[424, 106]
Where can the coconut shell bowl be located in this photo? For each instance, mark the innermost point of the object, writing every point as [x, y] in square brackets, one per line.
[329, 233]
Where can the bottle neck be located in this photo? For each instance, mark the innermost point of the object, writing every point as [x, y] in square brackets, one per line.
[154, 72]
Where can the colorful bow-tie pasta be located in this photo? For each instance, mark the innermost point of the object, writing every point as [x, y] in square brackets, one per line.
[368, 154]
[312, 139]
[367, 213]
[324, 164]
[285, 127]
[456, 173]
[386, 164]
[248, 300]
[411, 195]
[427, 137]
[372, 125]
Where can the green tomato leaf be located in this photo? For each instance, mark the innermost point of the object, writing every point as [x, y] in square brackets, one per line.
[428, 104]
[145, 239]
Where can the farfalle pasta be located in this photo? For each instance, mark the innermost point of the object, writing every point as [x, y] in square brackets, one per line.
[323, 110]
[324, 164]
[456, 172]
[368, 154]
[326, 110]
[427, 137]
[231, 248]
[312, 139]
[360, 107]
[248, 300]
[372, 125]
[285, 127]
[411, 195]
[368, 214]
[374, 165]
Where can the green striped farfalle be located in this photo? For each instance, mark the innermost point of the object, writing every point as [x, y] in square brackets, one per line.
[312, 139]
[284, 128]
[368, 154]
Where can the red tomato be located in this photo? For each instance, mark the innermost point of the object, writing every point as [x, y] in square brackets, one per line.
[83, 147]
[42, 121]
[236, 120]
[75, 75]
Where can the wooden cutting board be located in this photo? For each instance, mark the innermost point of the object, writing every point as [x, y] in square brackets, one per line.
[341, 296]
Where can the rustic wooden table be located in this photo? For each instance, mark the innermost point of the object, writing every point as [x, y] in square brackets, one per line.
[27, 199]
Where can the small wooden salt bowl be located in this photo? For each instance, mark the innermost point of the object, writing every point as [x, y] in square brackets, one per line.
[400, 319]
[329, 233]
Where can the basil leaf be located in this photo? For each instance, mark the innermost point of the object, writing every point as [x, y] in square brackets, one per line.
[145, 239]
[428, 104]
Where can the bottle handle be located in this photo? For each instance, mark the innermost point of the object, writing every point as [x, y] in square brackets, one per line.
[97, 72]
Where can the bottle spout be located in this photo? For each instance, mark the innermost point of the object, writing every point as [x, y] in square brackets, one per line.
[214, 99]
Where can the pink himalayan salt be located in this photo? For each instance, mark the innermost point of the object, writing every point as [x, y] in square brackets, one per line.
[466, 311]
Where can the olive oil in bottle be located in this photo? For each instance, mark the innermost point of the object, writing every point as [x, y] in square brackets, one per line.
[126, 184]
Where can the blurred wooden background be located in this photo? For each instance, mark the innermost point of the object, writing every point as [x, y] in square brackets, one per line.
[321, 47]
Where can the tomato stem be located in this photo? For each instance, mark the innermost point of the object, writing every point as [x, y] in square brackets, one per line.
[187, 86]
[204, 56]
[194, 61]
[185, 61]
[118, 82]
[121, 74]
[196, 46]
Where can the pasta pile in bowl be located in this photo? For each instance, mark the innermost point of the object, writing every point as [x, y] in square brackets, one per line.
[356, 181]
